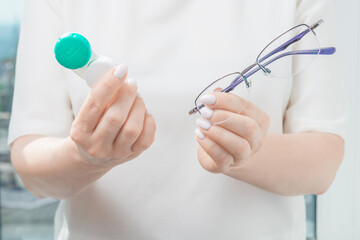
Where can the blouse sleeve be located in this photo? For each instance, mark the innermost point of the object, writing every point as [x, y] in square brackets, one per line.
[317, 101]
[41, 104]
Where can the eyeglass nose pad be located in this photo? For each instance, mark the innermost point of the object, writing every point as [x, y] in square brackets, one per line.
[249, 86]
[265, 70]
[247, 82]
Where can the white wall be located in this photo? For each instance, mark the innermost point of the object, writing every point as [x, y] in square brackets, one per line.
[338, 211]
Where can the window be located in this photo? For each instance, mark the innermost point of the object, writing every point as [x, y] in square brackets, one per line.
[22, 215]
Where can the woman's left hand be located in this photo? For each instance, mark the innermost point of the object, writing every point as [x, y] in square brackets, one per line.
[229, 144]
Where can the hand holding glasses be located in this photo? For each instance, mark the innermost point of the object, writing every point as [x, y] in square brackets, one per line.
[283, 57]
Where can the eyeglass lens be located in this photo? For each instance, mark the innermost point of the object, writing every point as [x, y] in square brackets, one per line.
[281, 62]
[241, 90]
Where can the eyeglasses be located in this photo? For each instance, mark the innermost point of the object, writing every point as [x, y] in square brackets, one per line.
[274, 61]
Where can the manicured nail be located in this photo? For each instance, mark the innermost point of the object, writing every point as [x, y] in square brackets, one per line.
[120, 71]
[199, 133]
[147, 111]
[207, 99]
[139, 95]
[206, 112]
[132, 82]
[204, 124]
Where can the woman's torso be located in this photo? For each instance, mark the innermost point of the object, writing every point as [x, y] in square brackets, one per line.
[174, 49]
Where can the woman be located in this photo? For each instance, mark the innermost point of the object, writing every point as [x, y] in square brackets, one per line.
[91, 148]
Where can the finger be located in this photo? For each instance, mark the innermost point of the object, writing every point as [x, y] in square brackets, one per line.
[206, 161]
[147, 135]
[132, 128]
[241, 125]
[237, 146]
[126, 159]
[132, 156]
[221, 157]
[115, 116]
[235, 104]
[99, 98]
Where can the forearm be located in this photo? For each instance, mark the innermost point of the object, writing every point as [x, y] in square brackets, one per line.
[53, 167]
[293, 164]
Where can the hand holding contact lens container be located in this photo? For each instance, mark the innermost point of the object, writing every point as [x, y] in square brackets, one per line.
[73, 51]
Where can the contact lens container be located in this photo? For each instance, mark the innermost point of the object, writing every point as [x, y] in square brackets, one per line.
[73, 51]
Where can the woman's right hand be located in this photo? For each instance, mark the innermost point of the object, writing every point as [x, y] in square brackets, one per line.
[113, 125]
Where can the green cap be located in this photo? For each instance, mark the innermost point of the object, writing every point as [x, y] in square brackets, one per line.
[72, 50]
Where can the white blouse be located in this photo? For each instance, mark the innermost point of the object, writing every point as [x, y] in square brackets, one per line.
[174, 49]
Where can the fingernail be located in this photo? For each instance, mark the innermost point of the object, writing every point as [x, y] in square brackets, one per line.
[139, 95]
[204, 124]
[147, 111]
[206, 112]
[207, 99]
[120, 71]
[132, 82]
[199, 133]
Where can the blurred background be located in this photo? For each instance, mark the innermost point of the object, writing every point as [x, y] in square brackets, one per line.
[334, 215]
[23, 217]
